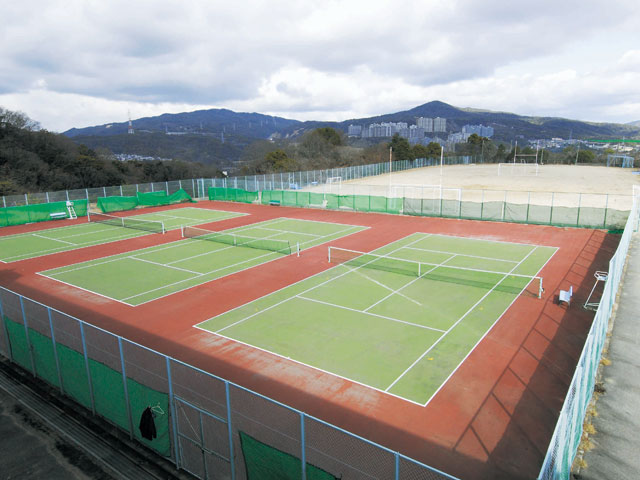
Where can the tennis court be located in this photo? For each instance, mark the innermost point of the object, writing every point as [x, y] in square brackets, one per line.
[102, 229]
[400, 319]
[201, 256]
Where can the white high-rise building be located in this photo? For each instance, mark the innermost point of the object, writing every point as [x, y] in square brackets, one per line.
[426, 123]
[439, 124]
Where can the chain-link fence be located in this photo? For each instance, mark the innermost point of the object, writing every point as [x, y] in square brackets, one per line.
[206, 425]
[197, 188]
[568, 432]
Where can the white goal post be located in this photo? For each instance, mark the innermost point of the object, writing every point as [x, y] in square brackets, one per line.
[518, 169]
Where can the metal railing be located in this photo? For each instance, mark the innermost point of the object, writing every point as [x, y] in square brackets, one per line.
[115, 378]
[568, 431]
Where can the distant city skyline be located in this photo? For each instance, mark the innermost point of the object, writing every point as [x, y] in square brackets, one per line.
[328, 62]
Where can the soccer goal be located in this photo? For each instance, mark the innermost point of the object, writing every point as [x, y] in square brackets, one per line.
[334, 184]
[518, 169]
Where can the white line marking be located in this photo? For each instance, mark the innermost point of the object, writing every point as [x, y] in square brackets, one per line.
[358, 272]
[132, 257]
[487, 331]
[301, 293]
[459, 320]
[412, 281]
[462, 255]
[368, 313]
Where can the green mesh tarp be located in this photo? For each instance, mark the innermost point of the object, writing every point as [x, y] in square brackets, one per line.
[40, 212]
[141, 397]
[117, 204]
[74, 375]
[347, 202]
[154, 199]
[232, 195]
[44, 357]
[263, 462]
[108, 394]
[18, 343]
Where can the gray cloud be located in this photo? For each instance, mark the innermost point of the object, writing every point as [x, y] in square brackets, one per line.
[207, 53]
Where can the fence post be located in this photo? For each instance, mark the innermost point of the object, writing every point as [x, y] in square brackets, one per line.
[553, 196]
[126, 389]
[47, 195]
[6, 332]
[104, 190]
[166, 184]
[86, 191]
[579, 206]
[606, 210]
[67, 192]
[26, 199]
[86, 365]
[4, 201]
[55, 350]
[121, 191]
[397, 457]
[193, 188]
[528, 205]
[26, 333]
[504, 205]
[303, 453]
[172, 408]
[231, 455]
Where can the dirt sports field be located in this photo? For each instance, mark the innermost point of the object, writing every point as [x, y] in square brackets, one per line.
[496, 406]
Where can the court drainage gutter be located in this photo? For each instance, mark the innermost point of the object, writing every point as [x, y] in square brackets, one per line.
[117, 459]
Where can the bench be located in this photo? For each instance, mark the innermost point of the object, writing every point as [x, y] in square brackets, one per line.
[58, 215]
[565, 296]
[274, 203]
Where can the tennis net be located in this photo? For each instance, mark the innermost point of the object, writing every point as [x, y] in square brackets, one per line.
[152, 226]
[486, 279]
[279, 246]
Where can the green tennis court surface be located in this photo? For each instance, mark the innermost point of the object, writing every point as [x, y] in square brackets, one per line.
[400, 321]
[54, 240]
[144, 275]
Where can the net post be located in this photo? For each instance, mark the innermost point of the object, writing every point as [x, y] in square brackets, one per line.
[88, 213]
[540, 289]
[329, 255]
[182, 230]
[298, 248]
[163, 229]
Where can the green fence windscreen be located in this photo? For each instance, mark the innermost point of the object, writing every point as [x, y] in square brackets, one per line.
[263, 462]
[108, 390]
[153, 199]
[141, 397]
[40, 212]
[232, 195]
[117, 204]
[18, 343]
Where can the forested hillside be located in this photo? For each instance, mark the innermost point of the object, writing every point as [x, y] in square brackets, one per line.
[34, 160]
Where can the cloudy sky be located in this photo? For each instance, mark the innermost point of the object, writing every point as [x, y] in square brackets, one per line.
[77, 63]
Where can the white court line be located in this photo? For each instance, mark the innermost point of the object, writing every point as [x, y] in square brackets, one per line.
[162, 265]
[462, 255]
[459, 320]
[358, 272]
[301, 293]
[290, 231]
[218, 269]
[53, 239]
[199, 275]
[488, 330]
[411, 282]
[41, 253]
[368, 313]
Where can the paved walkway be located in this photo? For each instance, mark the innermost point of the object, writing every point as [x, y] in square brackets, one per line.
[617, 441]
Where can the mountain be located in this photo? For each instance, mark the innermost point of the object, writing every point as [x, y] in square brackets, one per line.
[219, 136]
[214, 122]
[634, 124]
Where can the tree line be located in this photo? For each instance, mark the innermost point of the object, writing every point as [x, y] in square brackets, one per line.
[35, 160]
